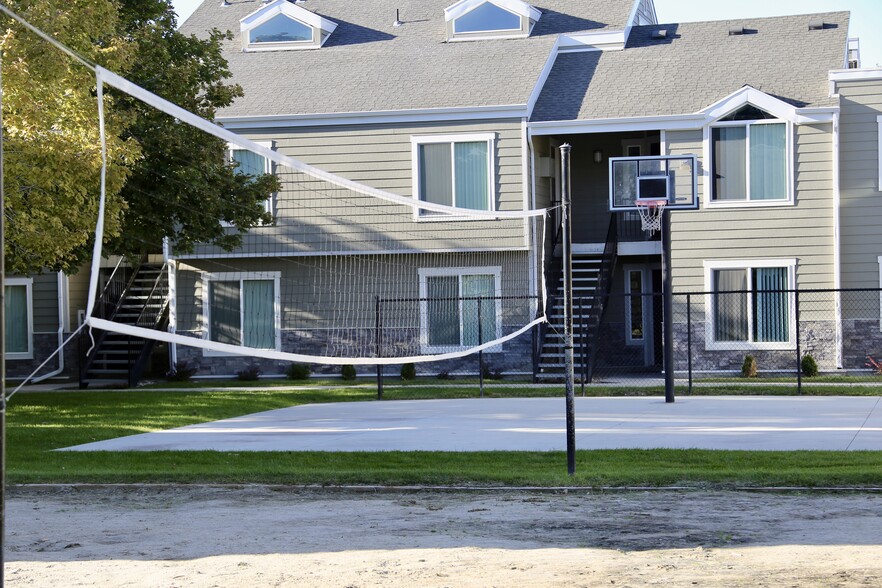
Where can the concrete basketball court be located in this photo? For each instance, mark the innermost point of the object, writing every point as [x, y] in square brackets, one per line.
[534, 424]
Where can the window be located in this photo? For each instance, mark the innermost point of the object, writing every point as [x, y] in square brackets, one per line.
[242, 309]
[634, 311]
[749, 158]
[280, 29]
[252, 164]
[452, 299]
[454, 170]
[750, 304]
[469, 20]
[487, 17]
[19, 318]
[281, 25]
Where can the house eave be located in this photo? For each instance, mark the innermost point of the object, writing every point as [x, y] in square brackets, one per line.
[513, 111]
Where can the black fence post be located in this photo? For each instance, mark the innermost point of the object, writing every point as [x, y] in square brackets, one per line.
[378, 334]
[481, 351]
[582, 339]
[798, 349]
[689, 338]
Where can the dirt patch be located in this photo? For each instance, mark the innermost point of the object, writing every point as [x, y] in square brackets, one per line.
[269, 536]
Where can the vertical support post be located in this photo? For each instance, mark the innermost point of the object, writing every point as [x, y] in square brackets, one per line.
[668, 305]
[378, 334]
[689, 338]
[798, 347]
[2, 344]
[481, 352]
[567, 258]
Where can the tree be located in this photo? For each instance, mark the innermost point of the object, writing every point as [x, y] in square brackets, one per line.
[183, 185]
[52, 154]
[164, 178]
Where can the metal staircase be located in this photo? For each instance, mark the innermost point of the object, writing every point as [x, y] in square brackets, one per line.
[133, 296]
[592, 278]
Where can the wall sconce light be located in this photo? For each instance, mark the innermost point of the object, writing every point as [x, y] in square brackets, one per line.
[598, 156]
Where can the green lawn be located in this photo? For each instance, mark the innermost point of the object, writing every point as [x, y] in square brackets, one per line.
[40, 422]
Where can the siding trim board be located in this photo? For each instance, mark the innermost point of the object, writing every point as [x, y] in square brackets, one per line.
[879, 152]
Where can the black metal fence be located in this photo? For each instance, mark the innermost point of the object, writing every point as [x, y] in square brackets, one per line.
[784, 340]
[780, 338]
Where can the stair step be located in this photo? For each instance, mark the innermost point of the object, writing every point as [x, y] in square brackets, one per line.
[102, 371]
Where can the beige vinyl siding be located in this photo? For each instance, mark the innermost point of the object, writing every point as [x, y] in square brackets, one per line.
[380, 156]
[861, 213]
[317, 294]
[803, 231]
[77, 293]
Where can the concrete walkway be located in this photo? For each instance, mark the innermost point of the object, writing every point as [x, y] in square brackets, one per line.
[535, 424]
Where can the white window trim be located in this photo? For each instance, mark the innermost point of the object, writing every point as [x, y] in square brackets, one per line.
[710, 318]
[417, 140]
[28, 283]
[425, 273]
[629, 339]
[269, 203]
[484, 32]
[241, 277]
[321, 27]
[709, 201]
[879, 152]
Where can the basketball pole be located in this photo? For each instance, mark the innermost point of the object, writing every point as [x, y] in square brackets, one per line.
[668, 304]
[567, 262]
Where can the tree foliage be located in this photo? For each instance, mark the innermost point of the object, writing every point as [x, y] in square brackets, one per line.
[52, 153]
[164, 178]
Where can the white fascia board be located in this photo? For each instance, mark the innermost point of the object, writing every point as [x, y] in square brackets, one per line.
[517, 6]
[631, 17]
[680, 122]
[543, 77]
[374, 117]
[294, 11]
[750, 95]
[593, 41]
[853, 75]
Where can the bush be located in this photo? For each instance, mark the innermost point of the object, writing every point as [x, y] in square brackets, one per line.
[491, 374]
[748, 368]
[182, 372]
[444, 375]
[298, 371]
[249, 374]
[408, 371]
[809, 366]
[876, 366]
[348, 372]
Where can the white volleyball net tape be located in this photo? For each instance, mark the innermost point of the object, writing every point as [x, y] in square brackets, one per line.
[347, 273]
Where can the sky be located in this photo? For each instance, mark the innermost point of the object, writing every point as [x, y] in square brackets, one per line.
[866, 15]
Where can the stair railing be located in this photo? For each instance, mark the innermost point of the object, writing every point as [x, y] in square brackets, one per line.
[153, 315]
[553, 275]
[599, 300]
[106, 307]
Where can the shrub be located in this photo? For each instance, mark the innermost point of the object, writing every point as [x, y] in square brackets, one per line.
[249, 374]
[182, 372]
[408, 371]
[874, 365]
[444, 375]
[748, 368]
[348, 372]
[809, 366]
[298, 371]
[490, 373]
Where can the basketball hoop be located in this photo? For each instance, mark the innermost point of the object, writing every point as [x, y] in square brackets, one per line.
[650, 214]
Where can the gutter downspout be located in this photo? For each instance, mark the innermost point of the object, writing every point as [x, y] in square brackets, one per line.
[837, 237]
[61, 304]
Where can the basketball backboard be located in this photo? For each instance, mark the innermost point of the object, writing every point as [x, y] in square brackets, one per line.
[667, 177]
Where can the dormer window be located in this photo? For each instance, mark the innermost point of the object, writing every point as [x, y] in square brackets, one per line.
[484, 19]
[282, 25]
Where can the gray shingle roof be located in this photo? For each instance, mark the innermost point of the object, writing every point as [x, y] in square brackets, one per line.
[696, 66]
[367, 65]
